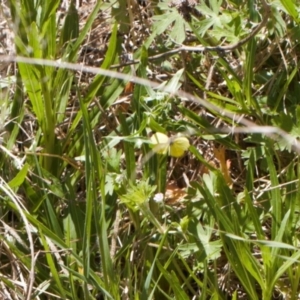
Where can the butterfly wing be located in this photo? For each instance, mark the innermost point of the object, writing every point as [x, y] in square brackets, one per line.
[161, 143]
[178, 146]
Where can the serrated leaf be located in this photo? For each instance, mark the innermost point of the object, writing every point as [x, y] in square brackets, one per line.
[178, 31]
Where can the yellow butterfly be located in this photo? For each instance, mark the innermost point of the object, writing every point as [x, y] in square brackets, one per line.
[174, 146]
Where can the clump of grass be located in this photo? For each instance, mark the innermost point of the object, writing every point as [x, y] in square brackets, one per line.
[80, 181]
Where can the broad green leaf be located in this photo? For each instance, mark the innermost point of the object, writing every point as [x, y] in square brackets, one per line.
[291, 8]
[20, 177]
